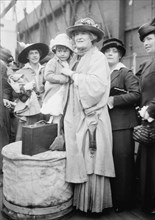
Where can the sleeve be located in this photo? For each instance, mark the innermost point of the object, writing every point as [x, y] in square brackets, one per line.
[14, 82]
[151, 109]
[131, 84]
[7, 90]
[92, 85]
[52, 75]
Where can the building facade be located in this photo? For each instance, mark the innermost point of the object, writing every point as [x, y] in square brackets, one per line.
[118, 18]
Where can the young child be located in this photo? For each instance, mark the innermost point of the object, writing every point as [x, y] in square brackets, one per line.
[56, 86]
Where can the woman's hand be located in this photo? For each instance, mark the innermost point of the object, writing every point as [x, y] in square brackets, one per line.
[144, 114]
[6, 103]
[111, 102]
[29, 85]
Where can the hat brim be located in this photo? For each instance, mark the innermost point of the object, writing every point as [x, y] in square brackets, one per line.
[22, 58]
[61, 44]
[145, 30]
[109, 45]
[98, 32]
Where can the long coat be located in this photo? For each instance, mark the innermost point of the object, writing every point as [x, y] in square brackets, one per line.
[55, 80]
[87, 106]
[123, 118]
[5, 93]
[146, 154]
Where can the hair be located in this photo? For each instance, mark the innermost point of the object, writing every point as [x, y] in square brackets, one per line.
[54, 50]
[35, 49]
[119, 51]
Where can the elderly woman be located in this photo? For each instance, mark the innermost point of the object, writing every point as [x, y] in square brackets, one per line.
[28, 84]
[124, 96]
[146, 74]
[87, 125]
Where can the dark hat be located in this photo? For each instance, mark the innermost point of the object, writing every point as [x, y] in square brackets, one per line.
[113, 42]
[6, 55]
[146, 29]
[86, 24]
[43, 48]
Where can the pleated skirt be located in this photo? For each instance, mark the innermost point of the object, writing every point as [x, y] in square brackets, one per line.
[93, 195]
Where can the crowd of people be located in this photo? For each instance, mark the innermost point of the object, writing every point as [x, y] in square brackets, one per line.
[92, 96]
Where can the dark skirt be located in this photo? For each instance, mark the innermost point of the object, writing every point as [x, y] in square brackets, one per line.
[147, 176]
[123, 186]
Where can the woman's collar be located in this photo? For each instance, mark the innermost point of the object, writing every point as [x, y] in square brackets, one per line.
[28, 66]
[118, 67]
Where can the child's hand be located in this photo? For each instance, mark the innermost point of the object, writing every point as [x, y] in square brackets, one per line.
[67, 72]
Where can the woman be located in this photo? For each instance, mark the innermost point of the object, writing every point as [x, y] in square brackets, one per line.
[146, 74]
[28, 84]
[124, 94]
[87, 125]
[5, 104]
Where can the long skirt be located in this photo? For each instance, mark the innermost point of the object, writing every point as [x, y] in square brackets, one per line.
[147, 176]
[93, 195]
[123, 185]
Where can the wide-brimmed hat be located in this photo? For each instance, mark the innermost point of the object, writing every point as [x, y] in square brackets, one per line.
[43, 48]
[86, 24]
[146, 29]
[62, 40]
[113, 42]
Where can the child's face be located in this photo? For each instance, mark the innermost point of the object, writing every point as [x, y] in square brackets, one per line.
[62, 52]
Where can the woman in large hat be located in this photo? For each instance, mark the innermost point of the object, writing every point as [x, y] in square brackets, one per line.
[146, 154]
[124, 94]
[87, 125]
[28, 84]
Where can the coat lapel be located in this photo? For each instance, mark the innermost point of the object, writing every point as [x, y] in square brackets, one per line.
[146, 67]
[114, 75]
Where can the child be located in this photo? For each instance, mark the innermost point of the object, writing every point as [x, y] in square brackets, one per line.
[56, 86]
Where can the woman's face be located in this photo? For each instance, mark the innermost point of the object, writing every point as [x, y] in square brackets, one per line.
[113, 55]
[149, 43]
[33, 56]
[82, 39]
[62, 52]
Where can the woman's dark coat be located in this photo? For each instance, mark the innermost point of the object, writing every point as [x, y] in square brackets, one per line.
[123, 115]
[146, 154]
[124, 118]
[5, 93]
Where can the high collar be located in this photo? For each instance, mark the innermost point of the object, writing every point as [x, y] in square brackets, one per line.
[118, 67]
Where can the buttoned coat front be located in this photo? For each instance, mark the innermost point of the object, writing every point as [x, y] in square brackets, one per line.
[123, 115]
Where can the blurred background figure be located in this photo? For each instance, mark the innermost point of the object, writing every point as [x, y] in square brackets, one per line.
[5, 97]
